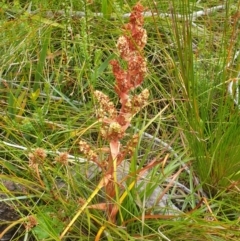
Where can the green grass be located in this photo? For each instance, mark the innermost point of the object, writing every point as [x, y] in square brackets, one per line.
[50, 66]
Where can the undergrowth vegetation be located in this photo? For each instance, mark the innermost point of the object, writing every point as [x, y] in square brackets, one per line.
[119, 127]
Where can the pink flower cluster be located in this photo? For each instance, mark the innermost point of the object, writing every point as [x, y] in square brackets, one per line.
[130, 47]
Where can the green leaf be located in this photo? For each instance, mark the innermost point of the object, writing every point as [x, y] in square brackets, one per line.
[49, 226]
[34, 95]
[107, 8]
[42, 58]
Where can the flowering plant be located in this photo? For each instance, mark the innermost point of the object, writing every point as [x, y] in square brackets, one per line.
[115, 122]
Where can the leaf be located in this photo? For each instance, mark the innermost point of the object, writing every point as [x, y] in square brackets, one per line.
[34, 95]
[103, 182]
[106, 8]
[21, 102]
[104, 65]
[40, 19]
[48, 226]
[99, 206]
[41, 61]
[114, 148]
[47, 21]
[98, 71]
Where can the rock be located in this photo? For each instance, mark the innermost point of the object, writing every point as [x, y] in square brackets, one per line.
[7, 212]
